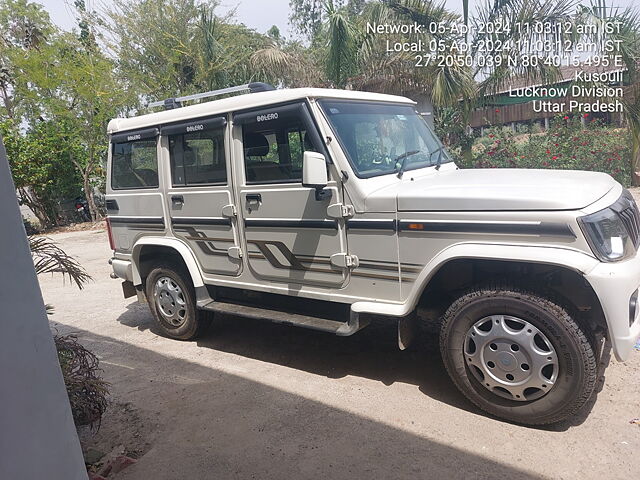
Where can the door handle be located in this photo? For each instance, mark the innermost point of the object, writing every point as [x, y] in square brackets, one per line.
[177, 199]
[254, 198]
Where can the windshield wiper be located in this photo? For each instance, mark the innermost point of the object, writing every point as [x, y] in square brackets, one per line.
[439, 161]
[402, 158]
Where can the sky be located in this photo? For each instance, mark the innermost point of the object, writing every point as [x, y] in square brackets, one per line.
[257, 14]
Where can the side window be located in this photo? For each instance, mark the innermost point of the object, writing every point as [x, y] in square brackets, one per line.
[134, 164]
[273, 153]
[198, 158]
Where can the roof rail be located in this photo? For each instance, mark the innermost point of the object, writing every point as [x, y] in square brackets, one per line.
[253, 87]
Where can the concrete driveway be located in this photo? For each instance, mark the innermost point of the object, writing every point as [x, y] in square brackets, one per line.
[257, 400]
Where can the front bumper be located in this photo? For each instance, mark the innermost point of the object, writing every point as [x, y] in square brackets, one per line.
[615, 284]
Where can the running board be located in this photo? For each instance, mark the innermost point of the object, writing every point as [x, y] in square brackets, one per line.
[342, 329]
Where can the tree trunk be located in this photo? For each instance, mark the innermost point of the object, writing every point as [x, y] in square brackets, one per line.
[35, 205]
[8, 104]
[635, 162]
[88, 194]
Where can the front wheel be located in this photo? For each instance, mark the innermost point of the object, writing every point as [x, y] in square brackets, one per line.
[517, 355]
[172, 302]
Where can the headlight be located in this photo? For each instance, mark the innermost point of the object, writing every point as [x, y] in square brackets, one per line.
[607, 235]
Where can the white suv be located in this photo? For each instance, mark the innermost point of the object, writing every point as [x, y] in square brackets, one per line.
[320, 208]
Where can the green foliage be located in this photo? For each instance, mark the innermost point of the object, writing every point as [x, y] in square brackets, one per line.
[41, 167]
[168, 48]
[64, 89]
[24, 24]
[567, 145]
[307, 17]
[451, 129]
[341, 45]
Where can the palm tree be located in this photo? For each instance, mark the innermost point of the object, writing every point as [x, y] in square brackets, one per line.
[466, 88]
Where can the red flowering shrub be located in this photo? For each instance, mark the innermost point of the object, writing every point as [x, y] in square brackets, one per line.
[567, 145]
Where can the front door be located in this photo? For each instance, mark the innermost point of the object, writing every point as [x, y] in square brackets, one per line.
[199, 196]
[288, 236]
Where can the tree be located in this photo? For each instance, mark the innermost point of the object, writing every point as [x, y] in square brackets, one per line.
[307, 16]
[310, 16]
[61, 84]
[167, 48]
[74, 87]
[466, 88]
[24, 26]
[342, 48]
[41, 168]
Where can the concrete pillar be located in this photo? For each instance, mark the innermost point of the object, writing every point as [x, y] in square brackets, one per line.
[37, 436]
[546, 123]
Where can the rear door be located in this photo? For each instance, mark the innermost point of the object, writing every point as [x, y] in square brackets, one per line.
[199, 196]
[288, 236]
[134, 194]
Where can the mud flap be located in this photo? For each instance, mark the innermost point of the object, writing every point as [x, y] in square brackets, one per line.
[128, 289]
[407, 328]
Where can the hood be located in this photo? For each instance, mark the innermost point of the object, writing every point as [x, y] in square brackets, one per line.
[496, 189]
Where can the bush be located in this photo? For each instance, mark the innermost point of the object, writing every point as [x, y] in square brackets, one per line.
[87, 391]
[567, 145]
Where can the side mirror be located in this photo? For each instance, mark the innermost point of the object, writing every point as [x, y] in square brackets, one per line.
[314, 173]
[314, 170]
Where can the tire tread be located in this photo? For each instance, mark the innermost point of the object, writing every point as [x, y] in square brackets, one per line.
[565, 320]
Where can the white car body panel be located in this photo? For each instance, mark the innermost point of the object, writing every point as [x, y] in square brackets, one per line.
[392, 266]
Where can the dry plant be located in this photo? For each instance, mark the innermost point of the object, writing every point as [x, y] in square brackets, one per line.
[86, 389]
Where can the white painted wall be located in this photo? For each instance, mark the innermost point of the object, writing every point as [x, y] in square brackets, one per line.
[37, 436]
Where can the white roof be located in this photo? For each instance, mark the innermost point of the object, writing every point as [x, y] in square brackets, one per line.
[241, 102]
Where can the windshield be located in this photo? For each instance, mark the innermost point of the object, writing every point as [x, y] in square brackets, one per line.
[382, 138]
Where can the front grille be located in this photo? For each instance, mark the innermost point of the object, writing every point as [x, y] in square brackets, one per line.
[630, 216]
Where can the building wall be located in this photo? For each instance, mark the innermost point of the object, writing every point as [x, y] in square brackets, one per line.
[37, 436]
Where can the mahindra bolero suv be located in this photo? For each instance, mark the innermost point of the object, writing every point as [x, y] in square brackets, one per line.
[326, 208]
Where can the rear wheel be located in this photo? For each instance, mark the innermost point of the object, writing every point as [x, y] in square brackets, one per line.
[518, 355]
[172, 301]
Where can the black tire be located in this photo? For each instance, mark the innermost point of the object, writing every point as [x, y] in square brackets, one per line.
[577, 365]
[192, 322]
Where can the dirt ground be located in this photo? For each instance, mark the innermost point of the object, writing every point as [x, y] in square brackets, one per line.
[257, 400]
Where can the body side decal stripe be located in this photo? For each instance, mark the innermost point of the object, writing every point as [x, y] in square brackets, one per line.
[326, 224]
[137, 220]
[372, 224]
[532, 228]
[200, 221]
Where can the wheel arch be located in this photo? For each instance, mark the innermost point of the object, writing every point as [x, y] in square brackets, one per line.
[559, 271]
[166, 248]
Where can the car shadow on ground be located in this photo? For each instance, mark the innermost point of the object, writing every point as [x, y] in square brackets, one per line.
[206, 423]
[372, 353]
